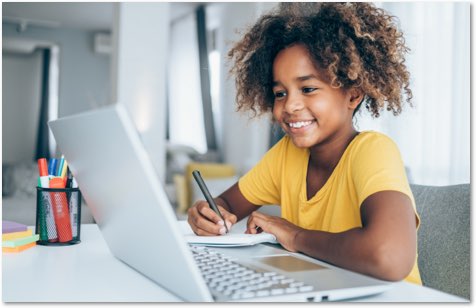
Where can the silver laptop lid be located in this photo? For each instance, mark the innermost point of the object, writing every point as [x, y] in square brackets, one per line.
[119, 184]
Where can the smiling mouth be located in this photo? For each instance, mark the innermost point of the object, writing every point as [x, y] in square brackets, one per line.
[300, 124]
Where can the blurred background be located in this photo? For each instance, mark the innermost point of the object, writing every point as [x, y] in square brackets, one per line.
[167, 63]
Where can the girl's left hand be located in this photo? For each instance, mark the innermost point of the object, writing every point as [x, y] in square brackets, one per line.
[284, 231]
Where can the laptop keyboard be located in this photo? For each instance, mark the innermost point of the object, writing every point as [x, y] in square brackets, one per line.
[236, 281]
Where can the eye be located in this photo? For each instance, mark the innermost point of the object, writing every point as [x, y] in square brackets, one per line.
[279, 94]
[307, 90]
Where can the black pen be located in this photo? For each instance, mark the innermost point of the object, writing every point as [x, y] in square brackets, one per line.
[208, 197]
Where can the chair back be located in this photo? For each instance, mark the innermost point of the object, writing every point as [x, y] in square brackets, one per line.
[444, 237]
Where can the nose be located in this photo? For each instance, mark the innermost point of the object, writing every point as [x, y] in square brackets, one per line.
[293, 103]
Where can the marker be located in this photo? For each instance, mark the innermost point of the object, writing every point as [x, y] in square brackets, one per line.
[64, 173]
[42, 180]
[43, 167]
[64, 169]
[61, 211]
[60, 166]
[52, 166]
[46, 209]
[43, 170]
[208, 196]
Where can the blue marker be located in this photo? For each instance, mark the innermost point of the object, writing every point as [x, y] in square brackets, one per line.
[52, 166]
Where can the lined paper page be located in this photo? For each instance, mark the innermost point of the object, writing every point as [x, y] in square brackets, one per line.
[236, 237]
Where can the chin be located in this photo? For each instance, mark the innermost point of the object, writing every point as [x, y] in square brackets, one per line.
[303, 143]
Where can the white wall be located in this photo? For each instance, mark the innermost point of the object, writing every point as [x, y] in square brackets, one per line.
[84, 75]
[140, 44]
[21, 83]
[244, 141]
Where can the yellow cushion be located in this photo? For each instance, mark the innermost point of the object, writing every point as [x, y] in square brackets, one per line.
[181, 193]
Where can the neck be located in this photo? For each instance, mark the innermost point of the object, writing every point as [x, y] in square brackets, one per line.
[326, 155]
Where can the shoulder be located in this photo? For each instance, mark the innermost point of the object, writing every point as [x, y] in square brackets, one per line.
[376, 165]
[372, 141]
[374, 149]
[372, 137]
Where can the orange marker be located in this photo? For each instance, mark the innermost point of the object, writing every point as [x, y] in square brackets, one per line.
[61, 211]
[43, 167]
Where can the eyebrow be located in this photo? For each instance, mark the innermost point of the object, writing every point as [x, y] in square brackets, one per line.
[300, 78]
[307, 77]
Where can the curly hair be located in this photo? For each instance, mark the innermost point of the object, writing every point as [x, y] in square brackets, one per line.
[353, 44]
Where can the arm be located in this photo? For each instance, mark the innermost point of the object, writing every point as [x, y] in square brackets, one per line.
[232, 205]
[234, 201]
[261, 180]
[384, 247]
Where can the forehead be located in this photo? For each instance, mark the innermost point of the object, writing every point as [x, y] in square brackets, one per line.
[292, 55]
[296, 61]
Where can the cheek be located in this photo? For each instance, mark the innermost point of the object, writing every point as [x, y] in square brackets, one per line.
[329, 108]
[277, 111]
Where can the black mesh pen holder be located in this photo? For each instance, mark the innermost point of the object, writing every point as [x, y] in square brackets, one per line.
[58, 216]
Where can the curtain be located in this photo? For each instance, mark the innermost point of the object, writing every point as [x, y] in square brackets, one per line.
[42, 149]
[45, 143]
[53, 94]
[434, 135]
[205, 69]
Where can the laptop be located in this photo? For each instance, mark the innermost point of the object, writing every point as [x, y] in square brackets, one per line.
[128, 201]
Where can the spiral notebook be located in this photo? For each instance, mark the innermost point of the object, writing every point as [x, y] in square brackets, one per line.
[236, 237]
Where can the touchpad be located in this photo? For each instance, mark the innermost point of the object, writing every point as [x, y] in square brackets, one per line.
[290, 263]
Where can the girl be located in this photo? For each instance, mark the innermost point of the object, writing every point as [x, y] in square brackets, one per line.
[344, 195]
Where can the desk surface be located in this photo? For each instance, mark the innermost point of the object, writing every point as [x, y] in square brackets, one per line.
[88, 272]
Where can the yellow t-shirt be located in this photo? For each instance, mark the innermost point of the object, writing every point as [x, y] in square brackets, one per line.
[371, 163]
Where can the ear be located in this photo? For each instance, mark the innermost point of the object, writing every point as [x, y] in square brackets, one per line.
[356, 95]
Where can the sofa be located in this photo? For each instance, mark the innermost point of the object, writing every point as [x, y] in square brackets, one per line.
[444, 237]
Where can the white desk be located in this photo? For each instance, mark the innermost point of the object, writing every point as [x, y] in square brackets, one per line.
[88, 272]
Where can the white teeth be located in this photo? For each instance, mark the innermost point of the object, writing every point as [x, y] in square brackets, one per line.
[299, 124]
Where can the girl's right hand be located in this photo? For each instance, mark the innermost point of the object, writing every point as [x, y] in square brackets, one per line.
[204, 221]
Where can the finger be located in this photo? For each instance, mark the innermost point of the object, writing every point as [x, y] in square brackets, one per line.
[203, 224]
[210, 227]
[196, 229]
[203, 232]
[228, 216]
[205, 210]
[194, 216]
[256, 230]
[252, 224]
[261, 222]
[230, 219]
